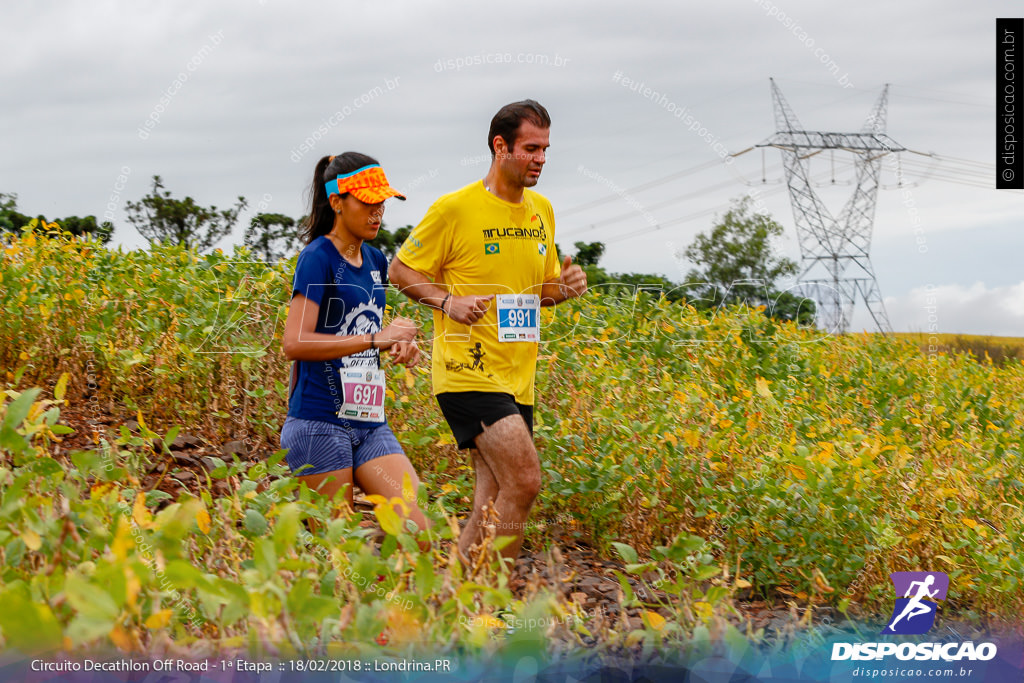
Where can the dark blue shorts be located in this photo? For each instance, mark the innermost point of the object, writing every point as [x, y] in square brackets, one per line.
[326, 446]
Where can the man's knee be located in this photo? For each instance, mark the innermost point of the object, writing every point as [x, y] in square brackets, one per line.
[526, 486]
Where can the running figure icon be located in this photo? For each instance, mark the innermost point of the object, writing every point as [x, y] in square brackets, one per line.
[917, 603]
[915, 607]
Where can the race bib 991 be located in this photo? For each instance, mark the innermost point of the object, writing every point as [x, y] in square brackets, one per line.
[518, 317]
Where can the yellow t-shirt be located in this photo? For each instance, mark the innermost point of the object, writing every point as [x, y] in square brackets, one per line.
[472, 242]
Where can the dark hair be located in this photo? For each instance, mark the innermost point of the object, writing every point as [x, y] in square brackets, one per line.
[321, 215]
[506, 122]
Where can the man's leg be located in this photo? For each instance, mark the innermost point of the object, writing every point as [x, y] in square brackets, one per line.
[506, 448]
[485, 491]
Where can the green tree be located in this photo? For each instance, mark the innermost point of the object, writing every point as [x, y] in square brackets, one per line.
[11, 220]
[736, 264]
[649, 282]
[588, 255]
[272, 236]
[390, 242]
[158, 216]
[87, 226]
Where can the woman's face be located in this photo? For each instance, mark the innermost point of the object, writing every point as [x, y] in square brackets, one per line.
[359, 219]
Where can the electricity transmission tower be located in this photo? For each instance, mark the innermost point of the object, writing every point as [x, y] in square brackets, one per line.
[834, 261]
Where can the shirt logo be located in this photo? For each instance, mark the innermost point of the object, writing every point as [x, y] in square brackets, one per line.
[375, 274]
[914, 613]
[542, 248]
[492, 248]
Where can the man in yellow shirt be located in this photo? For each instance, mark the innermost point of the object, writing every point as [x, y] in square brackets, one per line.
[484, 258]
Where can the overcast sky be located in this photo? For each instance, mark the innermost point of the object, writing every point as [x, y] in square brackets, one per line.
[242, 98]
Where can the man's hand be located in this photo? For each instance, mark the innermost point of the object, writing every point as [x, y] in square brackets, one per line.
[467, 309]
[573, 281]
[405, 352]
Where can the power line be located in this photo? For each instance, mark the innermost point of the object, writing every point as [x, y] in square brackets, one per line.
[640, 188]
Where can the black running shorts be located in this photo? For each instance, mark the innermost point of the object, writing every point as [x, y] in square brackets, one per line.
[467, 412]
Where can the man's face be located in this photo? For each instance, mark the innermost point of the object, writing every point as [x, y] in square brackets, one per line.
[525, 161]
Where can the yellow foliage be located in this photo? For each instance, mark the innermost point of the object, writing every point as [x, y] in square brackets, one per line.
[31, 539]
[140, 513]
[654, 620]
[203, 520]
[159, 620]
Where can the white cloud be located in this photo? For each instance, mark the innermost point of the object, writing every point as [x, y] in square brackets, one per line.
[954, 308]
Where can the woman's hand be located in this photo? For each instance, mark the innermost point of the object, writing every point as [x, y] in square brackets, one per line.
[400, 330]
[405, 352]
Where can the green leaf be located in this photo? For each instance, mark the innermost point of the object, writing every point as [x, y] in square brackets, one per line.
[18, 409]
[626, 552]
[11, 441]
[90, 601]
[501, 542]
[629, 598]
[277, 457]
[424, 576]
[715, 594]
[254, 522]
[286, 530]
[706, 572]
[172, 434]
[236, 602]
[264, 556]
[154, 496]
[28, 626]
[181, 574]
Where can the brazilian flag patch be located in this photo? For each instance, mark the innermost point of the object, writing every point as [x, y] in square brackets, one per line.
[492, 248]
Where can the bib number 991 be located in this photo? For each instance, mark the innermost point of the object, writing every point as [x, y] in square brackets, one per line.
[519, 317]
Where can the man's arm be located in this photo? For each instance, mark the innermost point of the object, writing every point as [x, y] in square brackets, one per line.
[571, 284]
[418, 287]
[415, 284]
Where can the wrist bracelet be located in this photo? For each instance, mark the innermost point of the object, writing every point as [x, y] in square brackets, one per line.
[446, 297]
[372, 343]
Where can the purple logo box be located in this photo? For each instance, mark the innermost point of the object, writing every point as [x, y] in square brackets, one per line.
[939, 581]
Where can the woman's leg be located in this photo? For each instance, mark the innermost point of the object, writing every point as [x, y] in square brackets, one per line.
[321, 453]
[329, 483]
[384, 475]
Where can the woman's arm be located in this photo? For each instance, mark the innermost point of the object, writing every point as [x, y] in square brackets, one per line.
[301, 341]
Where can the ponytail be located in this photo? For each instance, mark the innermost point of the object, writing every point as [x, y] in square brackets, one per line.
[321, 215]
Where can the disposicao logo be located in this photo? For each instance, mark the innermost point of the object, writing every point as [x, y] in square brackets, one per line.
[914, 614]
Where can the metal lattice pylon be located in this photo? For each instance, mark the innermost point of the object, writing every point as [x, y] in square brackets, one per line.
[834, 262]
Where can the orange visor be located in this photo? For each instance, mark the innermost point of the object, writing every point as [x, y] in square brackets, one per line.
[367, 184]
